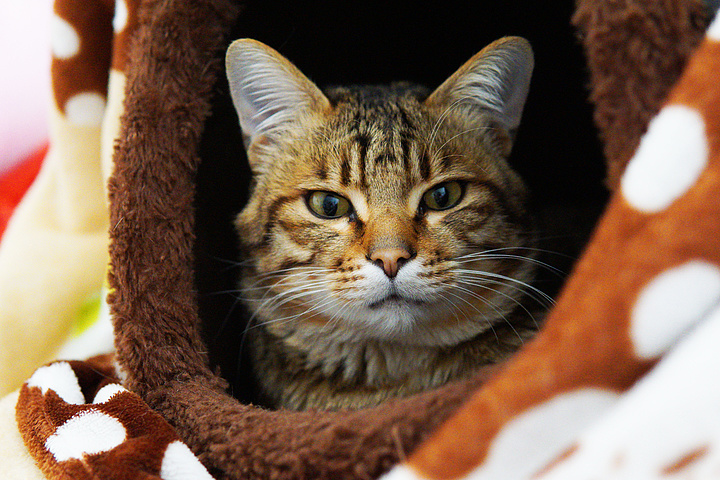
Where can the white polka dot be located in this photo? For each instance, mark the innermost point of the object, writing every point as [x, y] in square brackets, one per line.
[86, 433]
[179, 463]
[713, 32]
[64, 38]
[85, 109]
[673, 301]
[107, 392]
[671, 156]
[401, 472]
[60, 378]
[121, 16]
[534, 438]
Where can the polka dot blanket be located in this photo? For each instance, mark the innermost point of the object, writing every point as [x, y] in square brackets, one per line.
[620, 383]
[80, 423]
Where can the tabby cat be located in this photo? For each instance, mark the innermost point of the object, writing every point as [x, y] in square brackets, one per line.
[385, 234]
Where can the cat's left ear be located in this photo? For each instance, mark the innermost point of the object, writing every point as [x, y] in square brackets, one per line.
[269, 93]
[494, 81]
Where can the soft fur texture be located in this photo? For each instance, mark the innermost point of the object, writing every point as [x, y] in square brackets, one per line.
[159, 306]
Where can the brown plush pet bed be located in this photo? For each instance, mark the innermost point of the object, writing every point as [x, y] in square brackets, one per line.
[175, 75]
[180, 177]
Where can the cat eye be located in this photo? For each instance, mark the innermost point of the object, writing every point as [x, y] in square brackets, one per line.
[443, 196]
[328, 205]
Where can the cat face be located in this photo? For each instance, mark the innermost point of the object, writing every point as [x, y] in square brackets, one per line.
[382, 212]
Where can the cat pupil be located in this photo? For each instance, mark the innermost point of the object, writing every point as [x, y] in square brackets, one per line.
[441, 196]
[330, 205]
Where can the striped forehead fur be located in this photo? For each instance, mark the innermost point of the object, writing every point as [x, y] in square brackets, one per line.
[381, 125]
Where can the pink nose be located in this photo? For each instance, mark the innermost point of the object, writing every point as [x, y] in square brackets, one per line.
[390, 259]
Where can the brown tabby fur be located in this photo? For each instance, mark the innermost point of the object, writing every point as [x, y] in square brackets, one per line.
[321, 335]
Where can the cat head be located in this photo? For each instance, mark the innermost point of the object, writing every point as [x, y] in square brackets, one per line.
[383, 212]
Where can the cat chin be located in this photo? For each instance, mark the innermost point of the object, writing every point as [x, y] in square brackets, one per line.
[412, 323]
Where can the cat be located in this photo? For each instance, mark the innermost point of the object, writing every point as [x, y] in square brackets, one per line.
[384, 239]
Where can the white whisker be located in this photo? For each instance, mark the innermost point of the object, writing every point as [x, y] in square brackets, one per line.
[484, 274]
[455, 309]
[289, 295]
[509, 297]
[440, 120]
[490, 324]
[544, 302]
[489, 304]
[474, 257]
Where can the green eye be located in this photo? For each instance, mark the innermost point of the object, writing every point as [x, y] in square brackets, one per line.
[328, 205]
[443, 196]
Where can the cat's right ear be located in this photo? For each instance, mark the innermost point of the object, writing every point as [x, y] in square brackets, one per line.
[269, 93]
[494, 82]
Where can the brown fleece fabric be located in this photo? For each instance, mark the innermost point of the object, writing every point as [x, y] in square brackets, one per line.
[43, 414]
[174, 65]
[175, 60]
[636, 50]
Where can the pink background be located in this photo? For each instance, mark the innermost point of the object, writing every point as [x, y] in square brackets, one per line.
[24, 78]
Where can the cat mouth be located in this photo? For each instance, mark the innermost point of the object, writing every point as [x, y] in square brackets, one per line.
[394, 299]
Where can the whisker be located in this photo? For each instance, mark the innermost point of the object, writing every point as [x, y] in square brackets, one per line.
[298, 269]
[229, 263]
[460, 134]
[531, 249]
[455, 309]
[296, 277]
[279, 304]
[543, 302]
[505, 256]
[509, 297]
[279, 320]
[490, 324]
[483, 274]
[336, 318]
[489, 304]
[440, 120]
[233, 292]
[226, 320]
[283, 276]
[289, 295]
[318, 308]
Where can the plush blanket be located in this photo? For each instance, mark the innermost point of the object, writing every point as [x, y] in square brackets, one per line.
[619, 383]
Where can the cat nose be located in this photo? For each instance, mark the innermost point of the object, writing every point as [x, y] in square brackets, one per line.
[390, 259]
